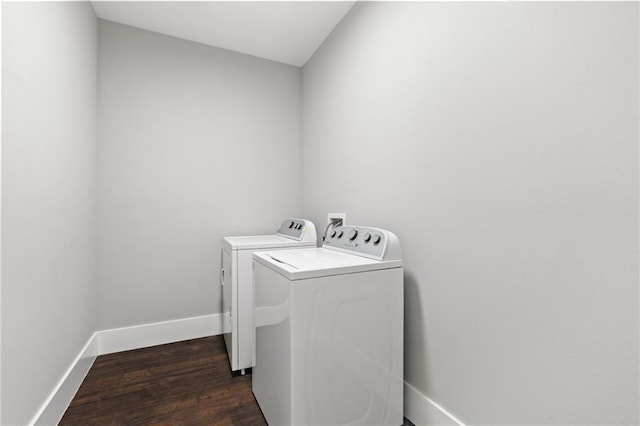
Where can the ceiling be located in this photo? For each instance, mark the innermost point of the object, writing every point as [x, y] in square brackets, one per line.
[283, 31]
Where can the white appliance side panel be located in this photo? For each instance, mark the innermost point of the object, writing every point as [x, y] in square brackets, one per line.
[271, 379]
[229, 281]
[245, 310]
[347, 349]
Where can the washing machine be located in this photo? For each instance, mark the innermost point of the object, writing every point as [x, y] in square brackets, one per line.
[329, 331]
[236, 283]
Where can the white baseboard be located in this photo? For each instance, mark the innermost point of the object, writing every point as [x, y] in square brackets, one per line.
[158, 333]
[56, 404]
[116, 340]
[422, 410]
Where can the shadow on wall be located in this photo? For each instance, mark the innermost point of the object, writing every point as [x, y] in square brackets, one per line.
[415, 348]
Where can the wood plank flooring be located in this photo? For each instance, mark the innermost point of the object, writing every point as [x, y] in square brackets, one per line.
[186, 383]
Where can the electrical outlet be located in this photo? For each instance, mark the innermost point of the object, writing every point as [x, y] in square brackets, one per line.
[337, 218]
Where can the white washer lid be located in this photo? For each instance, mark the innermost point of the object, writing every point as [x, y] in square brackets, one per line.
[251, 242]
[306, 263]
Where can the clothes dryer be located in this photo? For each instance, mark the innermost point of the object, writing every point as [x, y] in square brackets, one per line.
[329, 331]
[236, 283]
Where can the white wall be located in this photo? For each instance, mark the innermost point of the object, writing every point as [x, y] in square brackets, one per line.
[195, 143]
[500, 142]
[49, 56]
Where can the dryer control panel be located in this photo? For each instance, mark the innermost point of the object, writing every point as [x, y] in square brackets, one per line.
[296, 229]
[364, 241]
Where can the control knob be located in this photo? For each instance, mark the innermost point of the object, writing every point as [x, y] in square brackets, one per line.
[340, 234]
[353, 235]
[376, 239]
[367, 237]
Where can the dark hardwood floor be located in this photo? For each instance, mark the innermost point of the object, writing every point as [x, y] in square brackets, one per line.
[186, 383]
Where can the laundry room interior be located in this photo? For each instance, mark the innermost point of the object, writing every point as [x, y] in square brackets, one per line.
[496, 142]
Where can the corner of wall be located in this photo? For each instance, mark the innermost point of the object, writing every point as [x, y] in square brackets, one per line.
[54, 407]
[117, 340]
